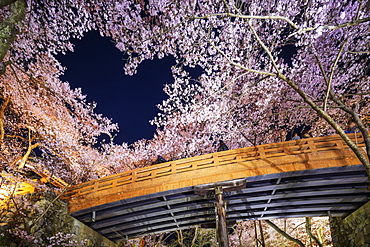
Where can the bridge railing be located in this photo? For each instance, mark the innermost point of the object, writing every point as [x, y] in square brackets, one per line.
[197, 163]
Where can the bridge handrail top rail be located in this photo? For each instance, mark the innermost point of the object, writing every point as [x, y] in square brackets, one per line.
[251, 149]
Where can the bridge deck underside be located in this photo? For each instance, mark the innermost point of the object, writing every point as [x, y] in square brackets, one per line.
[335, 191]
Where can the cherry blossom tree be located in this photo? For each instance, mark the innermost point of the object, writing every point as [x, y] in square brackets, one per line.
[44, 124]
[250, 91]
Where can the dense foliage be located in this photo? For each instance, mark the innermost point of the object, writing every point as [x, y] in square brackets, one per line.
[268, 67]
[250, 93]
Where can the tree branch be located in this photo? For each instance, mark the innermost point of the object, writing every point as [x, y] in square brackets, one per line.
[327, 27]
[263, 244]
[16, 136]
[54, 200]
[328, 118]
[260, 17]
[358, 52]
[329, 82]
[22, 161]
[308, 230]
[2, 111]
[264, 47]
[253, 142]
[291, 23]
[332, 122]
[284, 234]
[239, 65]
[359, 9]
[194, 237]
[354, 115]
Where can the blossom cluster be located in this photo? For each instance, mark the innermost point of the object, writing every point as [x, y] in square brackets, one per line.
[244, 96]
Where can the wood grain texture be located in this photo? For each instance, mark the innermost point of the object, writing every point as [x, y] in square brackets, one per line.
[311, 153]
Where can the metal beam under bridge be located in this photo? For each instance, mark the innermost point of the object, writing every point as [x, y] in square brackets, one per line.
[304, 178]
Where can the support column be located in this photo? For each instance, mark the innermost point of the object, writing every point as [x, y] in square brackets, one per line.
[221, 229]
[220, 204]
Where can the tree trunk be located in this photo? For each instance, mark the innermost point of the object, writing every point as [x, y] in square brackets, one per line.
[9, 28]
[323, 114]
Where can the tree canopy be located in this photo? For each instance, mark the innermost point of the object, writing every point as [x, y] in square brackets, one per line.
[268, 67]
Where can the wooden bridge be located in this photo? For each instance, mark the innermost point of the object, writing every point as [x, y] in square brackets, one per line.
[308, 177]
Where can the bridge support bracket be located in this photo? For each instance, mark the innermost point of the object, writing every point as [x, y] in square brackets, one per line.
[220, 204]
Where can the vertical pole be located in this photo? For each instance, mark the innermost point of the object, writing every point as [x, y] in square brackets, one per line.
[93, 216]
[221, 218]
[262, 235]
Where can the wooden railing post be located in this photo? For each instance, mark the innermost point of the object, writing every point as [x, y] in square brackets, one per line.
[96, 186]
[312, 146]
[232, 164]
[215, 160]
[173, 168]
[339, 144]
[261, 151]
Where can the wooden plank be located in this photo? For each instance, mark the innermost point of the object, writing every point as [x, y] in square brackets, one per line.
[182, 181]
[128, 203]
[261, 152]
[215, 160]
[113, 231]
[147, 222]
[286, 168]
[196, 178]
[139, 234]
[285, 159]
[297, 215]
[227, 165]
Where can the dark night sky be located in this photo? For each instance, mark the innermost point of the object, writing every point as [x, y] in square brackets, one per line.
[97, 67]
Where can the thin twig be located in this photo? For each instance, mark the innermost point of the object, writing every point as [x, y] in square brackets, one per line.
[358, 52]
[54, 200]
[309, 232]
[332, 28]
[332, 73]
[291, 23]
[259, 17]
[22, 161]
[194, 237]
[238, 65]
[359, 10]
[265, 48]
